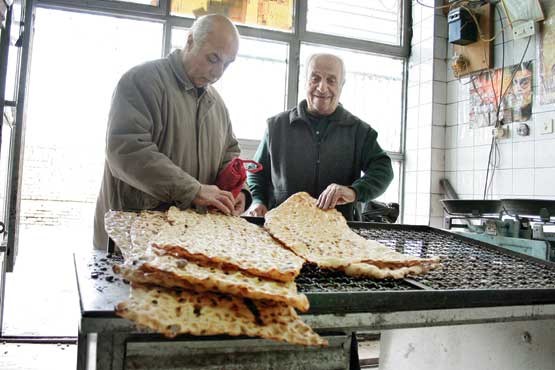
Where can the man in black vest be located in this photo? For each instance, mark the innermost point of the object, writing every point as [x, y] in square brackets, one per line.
[321, 148]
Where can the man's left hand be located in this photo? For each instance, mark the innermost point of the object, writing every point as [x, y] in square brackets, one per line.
[335, 195]
[239, 205]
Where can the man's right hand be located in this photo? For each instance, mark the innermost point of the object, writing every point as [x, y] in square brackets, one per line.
[256, 210]
[213, 196]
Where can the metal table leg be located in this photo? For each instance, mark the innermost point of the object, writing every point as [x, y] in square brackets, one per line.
[82, 351]
[104, 351]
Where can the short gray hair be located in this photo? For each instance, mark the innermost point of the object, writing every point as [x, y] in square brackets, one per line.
[204, 25]
[318, 55]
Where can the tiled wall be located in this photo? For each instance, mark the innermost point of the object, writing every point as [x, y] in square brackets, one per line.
[426, 99]
[456, 151]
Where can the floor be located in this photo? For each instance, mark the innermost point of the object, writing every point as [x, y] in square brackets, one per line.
[19, 356]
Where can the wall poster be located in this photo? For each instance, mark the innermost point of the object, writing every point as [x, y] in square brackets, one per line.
[516, 104]
[546, 53]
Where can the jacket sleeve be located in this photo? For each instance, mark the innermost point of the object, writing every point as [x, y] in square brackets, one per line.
[377, 169]
[132, 155]
[259, 182]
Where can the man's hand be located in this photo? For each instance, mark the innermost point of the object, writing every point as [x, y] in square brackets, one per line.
[335, 195]
[257, 210]
[239, 204]
[212, 196]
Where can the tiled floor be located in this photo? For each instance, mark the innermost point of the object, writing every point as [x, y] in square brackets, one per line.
[16, 356]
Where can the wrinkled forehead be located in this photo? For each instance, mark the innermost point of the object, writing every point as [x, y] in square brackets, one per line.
[226, 45]
[325, 65]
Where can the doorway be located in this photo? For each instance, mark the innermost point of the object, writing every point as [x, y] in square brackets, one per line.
[77, 61]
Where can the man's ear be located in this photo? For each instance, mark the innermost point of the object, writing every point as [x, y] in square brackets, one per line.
[190, 43]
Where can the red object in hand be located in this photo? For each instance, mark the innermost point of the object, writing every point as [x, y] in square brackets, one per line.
[233, 176]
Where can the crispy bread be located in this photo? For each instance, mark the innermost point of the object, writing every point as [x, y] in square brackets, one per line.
[173, 312]
[230, 243]
[324, 238]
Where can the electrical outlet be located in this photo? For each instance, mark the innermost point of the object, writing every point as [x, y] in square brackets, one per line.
[547, 127]
[498, 132]
[524, 29]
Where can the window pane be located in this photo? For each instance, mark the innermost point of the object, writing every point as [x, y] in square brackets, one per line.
[70, 90]
[375, 20]
[272, 14]
[254, 87]
[372, 91]
[391, 195]
[145, 2]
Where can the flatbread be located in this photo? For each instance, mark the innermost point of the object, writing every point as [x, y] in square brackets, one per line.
[230, 243]
[172, 312]
[146, 267]
[118, 226]
[324, 238]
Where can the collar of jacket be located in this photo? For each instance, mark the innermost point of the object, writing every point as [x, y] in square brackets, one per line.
[340, 116]
[176, 64]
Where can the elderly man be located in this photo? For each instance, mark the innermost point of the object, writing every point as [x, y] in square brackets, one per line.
[169, 132]
[321, 148]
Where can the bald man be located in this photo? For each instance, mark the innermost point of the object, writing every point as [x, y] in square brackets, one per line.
[169, 132]
[321, 148]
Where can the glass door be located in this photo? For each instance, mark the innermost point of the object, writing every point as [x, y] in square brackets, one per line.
[15, 40]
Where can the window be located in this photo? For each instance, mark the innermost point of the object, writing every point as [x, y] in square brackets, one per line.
[272, 14]
[375, 20]
[368, 73]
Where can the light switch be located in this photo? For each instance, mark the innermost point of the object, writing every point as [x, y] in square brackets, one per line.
[547, 127]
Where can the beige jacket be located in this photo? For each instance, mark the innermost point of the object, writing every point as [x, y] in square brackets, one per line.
[162, 141]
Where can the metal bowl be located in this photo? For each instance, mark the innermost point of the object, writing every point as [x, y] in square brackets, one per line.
[472, 207]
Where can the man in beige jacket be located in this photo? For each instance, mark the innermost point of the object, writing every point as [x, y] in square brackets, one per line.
[169, 132]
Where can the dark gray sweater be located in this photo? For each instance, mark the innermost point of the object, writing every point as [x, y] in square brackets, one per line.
[299, 156]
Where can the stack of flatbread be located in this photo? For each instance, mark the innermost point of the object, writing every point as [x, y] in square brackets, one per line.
[208, 274]
[324, 238]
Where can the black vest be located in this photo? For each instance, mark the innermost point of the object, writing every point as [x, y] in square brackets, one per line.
[303, 162]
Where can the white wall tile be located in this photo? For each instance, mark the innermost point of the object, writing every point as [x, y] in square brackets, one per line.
[440, 92]
[450, 159]
[481, 156]
[411, 162]
[451, 176]
[436, 209]
[544, 153]
[412, 139]
[523, 154]
[438, 159]
[425, 137]
[412, 117]
[426, 72]
[410, 203]
[451, 114]
[463, 112]
[435, 187]
[424, 159]
[482, 136]
[505, 160]
[410, 181]
[452, 92]
[423, 204]
[465, 182]
[425, 115]
[465, 159]
[440, 69]
[423, 179]
[503, 181]
[523, 182]
[465, 136]
[426, 93]
[413, 96]
[438, 137]
[438, 114]
[451, 137]
[479, 183]
[544, 182]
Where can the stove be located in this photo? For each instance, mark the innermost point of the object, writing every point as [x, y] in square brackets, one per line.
[522, 225]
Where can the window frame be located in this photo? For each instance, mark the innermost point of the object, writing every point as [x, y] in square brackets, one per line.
[161, 13]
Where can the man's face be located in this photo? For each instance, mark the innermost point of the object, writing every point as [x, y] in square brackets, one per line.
[206, 63]
[324, 84]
